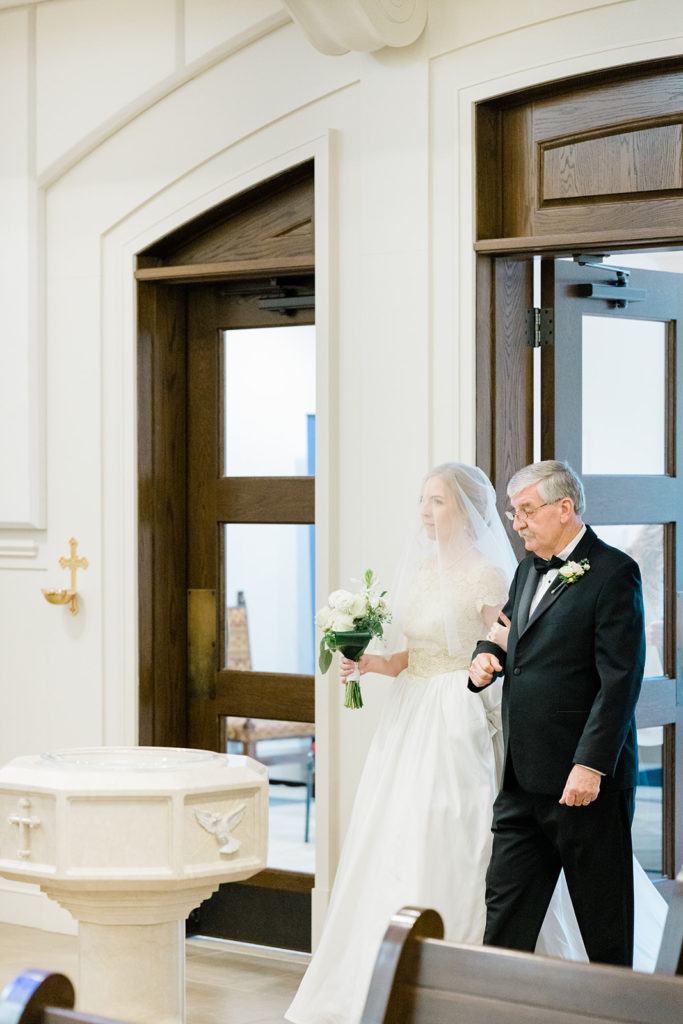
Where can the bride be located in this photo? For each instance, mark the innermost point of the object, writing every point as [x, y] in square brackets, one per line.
[420, 830]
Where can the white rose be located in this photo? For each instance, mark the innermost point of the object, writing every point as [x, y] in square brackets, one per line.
[341, 599]
[357, 606]
[323, 617]
[341, 621]
[575, 568]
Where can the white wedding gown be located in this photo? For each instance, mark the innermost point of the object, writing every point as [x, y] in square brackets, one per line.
[420, 830]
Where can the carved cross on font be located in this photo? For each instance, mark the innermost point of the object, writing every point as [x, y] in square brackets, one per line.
[25, 823]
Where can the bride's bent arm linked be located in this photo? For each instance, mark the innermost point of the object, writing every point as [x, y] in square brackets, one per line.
[489, 663]
[486, 667]
[499, 631]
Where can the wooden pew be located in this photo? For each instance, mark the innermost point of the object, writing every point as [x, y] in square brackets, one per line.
[43, 997]
[421, 979]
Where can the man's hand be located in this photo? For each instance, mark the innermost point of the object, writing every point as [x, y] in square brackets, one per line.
[581, 788]
[483, 668]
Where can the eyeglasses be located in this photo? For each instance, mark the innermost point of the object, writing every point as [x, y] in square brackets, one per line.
[523, 516]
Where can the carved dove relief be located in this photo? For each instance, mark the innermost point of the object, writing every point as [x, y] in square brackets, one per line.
[221, 825]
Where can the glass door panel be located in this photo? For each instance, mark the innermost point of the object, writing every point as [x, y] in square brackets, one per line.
[269, 375]
[645, 543]
[648, 822]
[269, 579]
[624, 395]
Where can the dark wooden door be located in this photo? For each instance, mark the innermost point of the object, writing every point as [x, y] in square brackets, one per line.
[612, 381]
[593, 165]
[246, 265]
[231, 698]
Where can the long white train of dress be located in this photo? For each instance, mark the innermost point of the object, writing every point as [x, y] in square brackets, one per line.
[419, 834]
[560, 934]
[420, 829]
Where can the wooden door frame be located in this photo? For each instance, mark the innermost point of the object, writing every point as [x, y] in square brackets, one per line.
[162, 515]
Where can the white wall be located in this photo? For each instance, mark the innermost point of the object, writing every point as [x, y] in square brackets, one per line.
[121, 120]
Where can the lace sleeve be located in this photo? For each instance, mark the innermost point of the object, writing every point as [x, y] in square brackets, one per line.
[492, 587]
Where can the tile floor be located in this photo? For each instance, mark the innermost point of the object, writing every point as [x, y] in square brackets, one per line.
[225, 983]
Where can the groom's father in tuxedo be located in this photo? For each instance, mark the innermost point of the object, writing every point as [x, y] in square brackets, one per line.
[573, 669]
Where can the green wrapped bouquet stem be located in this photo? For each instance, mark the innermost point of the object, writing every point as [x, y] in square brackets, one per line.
[352, 644]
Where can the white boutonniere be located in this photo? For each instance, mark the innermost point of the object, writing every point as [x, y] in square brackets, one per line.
[570, 572]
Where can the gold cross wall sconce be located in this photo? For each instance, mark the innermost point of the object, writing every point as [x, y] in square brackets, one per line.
[68, 596]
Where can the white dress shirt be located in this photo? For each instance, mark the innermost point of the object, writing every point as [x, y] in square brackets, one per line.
[546, 580]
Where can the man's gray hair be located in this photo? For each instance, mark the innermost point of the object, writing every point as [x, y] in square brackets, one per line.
[555, 480]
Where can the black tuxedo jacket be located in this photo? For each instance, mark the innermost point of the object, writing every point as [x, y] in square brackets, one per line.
[573, 671]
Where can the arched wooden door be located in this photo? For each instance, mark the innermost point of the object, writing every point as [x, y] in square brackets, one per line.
[226, 512]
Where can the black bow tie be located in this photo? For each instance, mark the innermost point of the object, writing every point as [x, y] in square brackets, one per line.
[540, 564]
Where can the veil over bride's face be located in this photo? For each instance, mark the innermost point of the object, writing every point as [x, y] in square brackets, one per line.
[459, 528]
[438, 509]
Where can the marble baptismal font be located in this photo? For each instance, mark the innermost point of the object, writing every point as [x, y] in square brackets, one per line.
[130, 840]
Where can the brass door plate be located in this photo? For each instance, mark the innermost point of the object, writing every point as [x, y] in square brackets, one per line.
[201, 643]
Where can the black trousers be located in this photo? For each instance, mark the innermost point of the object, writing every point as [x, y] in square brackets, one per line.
[534, 837]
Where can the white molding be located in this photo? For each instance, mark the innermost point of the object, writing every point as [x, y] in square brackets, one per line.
[6, 5]
[18, 548]
[22, 420]
[25, 904]
[24, 496]
[327, 204]
[248, 949]
[337, 27]
[56, 170]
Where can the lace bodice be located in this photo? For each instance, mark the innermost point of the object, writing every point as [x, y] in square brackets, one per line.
[467, 591]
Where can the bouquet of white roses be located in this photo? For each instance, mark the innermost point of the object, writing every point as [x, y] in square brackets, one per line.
[349, 622]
